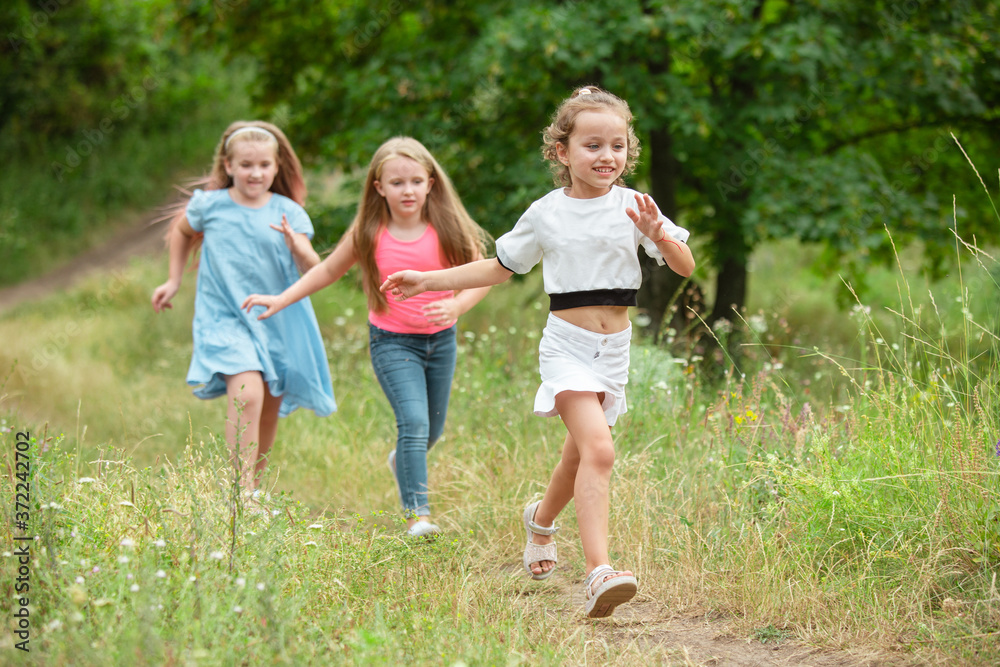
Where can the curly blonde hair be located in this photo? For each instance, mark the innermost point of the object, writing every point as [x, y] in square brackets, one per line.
[585, 98]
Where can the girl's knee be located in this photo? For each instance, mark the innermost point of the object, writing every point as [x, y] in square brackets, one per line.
[414, 430]
[247, 399]
[600, 454]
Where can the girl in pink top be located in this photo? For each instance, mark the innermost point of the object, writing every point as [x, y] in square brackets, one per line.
[409, 216]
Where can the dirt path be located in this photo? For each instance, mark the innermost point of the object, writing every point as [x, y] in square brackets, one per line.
[137, 237]
[665, 637]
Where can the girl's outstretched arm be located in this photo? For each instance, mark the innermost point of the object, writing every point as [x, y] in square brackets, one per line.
[300, 245]
[181, 236]
[447, 311]
[482, 273]
[323, 274]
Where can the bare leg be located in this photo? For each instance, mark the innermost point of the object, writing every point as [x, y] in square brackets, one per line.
[557, 495]
[583, 473]
[245, 397]
[268, 432]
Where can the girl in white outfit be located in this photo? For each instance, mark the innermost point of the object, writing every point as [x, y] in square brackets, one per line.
[588, 231]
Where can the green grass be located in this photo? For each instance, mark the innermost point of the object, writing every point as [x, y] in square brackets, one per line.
[840, 488]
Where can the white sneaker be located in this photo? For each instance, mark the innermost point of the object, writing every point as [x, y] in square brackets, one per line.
[423, 529]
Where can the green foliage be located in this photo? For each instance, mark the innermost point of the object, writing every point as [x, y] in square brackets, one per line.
[57, 201]
[63, 60]
[765, 120]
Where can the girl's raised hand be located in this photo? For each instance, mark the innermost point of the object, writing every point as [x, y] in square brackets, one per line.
[445, 311]
[290, 236]
[163, 294]
[270, 302]
[646, 217]
[299, 244]
[403, 284]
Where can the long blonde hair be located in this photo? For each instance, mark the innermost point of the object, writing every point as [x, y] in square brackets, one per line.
[289, 180]
[586, 98]
[461, 239]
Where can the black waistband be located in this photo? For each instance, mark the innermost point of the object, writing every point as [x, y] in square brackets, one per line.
[595, 297]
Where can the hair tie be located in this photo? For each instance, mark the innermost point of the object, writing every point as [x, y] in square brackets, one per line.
[249, 128]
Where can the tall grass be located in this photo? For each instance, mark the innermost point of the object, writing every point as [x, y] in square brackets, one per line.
[844, 493]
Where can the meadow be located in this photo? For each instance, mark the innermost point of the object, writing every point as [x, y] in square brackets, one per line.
[836, 484]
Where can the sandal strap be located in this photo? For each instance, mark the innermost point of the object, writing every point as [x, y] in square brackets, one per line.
[541, 530]
[536, 553]
[599, 571]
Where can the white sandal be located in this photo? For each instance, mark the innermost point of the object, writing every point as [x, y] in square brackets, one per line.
[535, 553]
[617, 590]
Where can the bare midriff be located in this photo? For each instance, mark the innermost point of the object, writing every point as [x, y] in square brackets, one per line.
[599, 319]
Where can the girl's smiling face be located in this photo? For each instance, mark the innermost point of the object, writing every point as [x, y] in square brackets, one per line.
[252, 165]
[595, 153]
[404, 183]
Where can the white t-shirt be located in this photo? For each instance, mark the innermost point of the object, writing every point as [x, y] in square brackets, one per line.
[589, 246]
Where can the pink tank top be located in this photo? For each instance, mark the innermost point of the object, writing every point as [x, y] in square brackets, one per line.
[422, 254]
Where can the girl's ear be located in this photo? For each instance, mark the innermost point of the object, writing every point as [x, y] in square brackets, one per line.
[229, 168]
[430, 183]
[378, 187]
[561, 153]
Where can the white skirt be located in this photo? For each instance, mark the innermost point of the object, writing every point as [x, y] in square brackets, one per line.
[574, 359]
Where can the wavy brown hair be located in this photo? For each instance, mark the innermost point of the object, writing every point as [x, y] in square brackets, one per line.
[585, 98]
[289, 180]
[461, 239]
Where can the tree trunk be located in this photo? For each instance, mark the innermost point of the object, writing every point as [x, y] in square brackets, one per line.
[660, 285]
[730, 290]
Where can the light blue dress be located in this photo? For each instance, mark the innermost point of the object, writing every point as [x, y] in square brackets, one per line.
[241, 255]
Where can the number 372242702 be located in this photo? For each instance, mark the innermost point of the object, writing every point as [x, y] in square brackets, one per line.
[22, 497]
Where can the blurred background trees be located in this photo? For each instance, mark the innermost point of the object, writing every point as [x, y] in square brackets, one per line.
[826, 122]
[760, 119]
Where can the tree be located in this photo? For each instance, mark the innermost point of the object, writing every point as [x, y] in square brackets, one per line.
[761, 119]
[67, 65]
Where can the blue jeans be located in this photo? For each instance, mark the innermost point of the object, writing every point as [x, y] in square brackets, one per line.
[415, 371]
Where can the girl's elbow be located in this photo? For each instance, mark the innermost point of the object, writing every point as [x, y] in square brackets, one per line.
[685, 268]
[501, 273]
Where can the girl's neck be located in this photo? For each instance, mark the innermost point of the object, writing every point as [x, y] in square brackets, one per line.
[580, 192]
[258, 202]
[406, 229]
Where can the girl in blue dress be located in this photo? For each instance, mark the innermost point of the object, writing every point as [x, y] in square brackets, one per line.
[265, 368]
